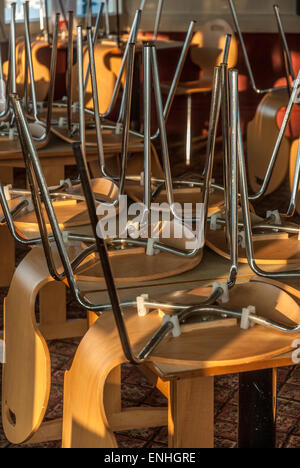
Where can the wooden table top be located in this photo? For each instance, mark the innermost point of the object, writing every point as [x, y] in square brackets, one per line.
[56, 153]
[55, 149]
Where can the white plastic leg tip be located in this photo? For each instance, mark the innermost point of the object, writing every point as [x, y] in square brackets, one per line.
[11, 134]
[276, 215]
[65, 235]
[62, 122]
[150, 251]
[7, 190]
[68, 184]
[29, 207]
[2, 352]
[246, 322]
[214, 226]
[242, 239]
[140, 302]
[224, 286]
[176, 331]
[119, 128]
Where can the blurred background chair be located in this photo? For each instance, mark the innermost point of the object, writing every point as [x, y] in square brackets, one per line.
[206, 52]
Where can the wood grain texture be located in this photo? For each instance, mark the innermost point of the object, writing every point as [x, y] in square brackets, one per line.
[191, 413]
[293, 289]
[112, 142]
[135, 266]
[267, 252]
[86, 423]
[27, 372]
[261, 138]
[41, 65]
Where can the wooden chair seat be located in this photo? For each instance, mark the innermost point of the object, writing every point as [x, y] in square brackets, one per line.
[112, 142]
[92, 401]
[129, 265]
[185, 88]
[181, 195]
[133, 265]
[270, 249]
[70, 213]
[90, 418]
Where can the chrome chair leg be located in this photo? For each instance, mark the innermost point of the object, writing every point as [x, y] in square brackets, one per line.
[295, 189]
[247, 219]
[107, 22]
[188, 146]
[287, 60]
[158, 19]
[147, 125]
[287, 116]
[13, 84]
[245, 53]
[95, 36]
[52, 73]
[70, 59]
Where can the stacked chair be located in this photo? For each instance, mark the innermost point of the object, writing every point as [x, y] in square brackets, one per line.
[225, 321]
[106, 187]
[279, 150]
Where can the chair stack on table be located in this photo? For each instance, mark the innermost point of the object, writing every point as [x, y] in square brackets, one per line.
[183, 295]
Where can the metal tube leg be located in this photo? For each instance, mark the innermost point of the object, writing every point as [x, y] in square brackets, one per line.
[48, 35]
[147, 125]
[257, 409]
[107, 23]
[13, 49]
[179, 69]
[295, 189]
[158, 18]
[189, 131]
[70, 59]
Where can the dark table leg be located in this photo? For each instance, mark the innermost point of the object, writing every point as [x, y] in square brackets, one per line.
[257, 409]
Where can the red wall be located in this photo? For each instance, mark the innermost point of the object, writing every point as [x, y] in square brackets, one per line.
[265, 55]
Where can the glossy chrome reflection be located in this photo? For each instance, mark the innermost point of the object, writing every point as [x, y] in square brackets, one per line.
[245, 53]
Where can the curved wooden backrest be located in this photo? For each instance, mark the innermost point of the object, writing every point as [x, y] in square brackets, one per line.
[262, 134]
[41, 65]
[108, 62]
[209, 44]
[27, 371]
